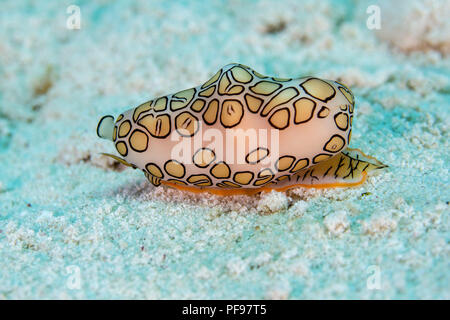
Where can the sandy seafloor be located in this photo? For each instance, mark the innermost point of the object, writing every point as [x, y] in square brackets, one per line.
[74, 224]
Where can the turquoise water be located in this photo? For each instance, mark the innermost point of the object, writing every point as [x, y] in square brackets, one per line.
[73, 224]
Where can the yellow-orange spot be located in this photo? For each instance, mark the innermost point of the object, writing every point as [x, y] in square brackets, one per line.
[158, 127]
[321, 157]
[243, 177]
[203, 157]
[181, 99]
[232, 113]
[324, 112]
[124, 128]
[198, 105]
[319, 89]
[186, 124]
[300, 164]
[304, 109]
[115, 133]
[160, 104]
[210, 115]
[280, 118]
[140, 109]
[223, 84]
[122, 148]
[341, 120]
[282, 97]
[257, 155]
[138, 140]
[207, 92]
[253, 103]
[347, 95]
[175, 169]
[265, 87]
[221, 170]
[335, 144]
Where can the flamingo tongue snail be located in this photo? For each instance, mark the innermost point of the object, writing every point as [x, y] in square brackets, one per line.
[307, 122]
